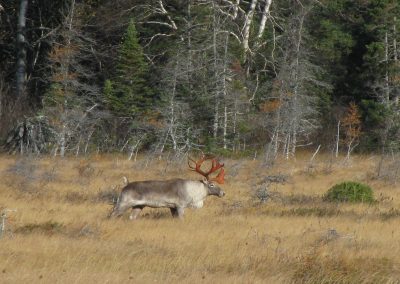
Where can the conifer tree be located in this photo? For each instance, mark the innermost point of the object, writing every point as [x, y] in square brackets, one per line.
[130, 94]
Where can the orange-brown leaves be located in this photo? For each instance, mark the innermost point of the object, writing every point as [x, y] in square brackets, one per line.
[60, 53]
[270, 106]
[352, 123]
[60, 77]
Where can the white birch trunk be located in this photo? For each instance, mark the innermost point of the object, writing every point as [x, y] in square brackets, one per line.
[387, 84]
[164, 12]
[189, 44]
[337, 140]
[225, 91]
[315, 153]
[265, 15]
[172, 119]
[349, 149]
[225, 127]
[234, 124]
[134, 149]
[236, 9]
[247, 25]
[287, 146]
[62, 141]
[216, 86]
[78, 146]
[277, 131]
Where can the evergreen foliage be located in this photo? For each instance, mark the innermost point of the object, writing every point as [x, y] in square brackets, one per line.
[129, 94]
[350, 192]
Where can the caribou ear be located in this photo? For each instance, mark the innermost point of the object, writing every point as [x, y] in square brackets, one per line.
[205, 181]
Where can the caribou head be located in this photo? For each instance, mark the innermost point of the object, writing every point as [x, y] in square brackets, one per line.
[213, 188]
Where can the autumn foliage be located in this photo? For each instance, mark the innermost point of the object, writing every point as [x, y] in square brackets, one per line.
[352, 123]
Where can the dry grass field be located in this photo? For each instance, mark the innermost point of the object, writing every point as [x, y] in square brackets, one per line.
[59, 232]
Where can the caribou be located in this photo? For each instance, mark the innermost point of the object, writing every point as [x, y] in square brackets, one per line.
[175, 194]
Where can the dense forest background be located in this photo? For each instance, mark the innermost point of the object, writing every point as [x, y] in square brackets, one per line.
[256, 77]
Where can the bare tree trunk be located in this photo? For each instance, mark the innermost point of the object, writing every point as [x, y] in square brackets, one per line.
[337, 139]
[396, 58]
[297, 83]
[62, 141]
[63, 138]
[225, 91]
[216, 79]
[172, 114]
[88, 140]
[315, 153]
[216, 116]
[349, 149]
[247, 25]
[294, 141]
[287, 146]
[234, 126]
[276, 135]
[387, 86]
[271, 149]
[21, 47]
[78, 147]
[235, 9]
[189, 45]
[164, 12]
[264, 18]
[163, 144]
[39, 45]
[134, 149]
[225, 126]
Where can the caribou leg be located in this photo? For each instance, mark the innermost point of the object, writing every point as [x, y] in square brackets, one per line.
[135, 212]
[174, 212]
[177, 212]
[118, 210]
[180, 211]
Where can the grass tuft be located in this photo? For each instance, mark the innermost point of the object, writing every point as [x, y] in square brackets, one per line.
[48, 228]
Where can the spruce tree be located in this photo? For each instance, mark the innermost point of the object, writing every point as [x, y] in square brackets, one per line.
[130, 96]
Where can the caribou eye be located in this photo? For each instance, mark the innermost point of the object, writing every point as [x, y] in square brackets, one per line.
[211, 185]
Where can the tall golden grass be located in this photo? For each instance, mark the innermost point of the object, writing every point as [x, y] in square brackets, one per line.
[60, 233]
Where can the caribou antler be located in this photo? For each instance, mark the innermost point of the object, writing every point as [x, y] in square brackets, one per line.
[220, 177]
[215, 166]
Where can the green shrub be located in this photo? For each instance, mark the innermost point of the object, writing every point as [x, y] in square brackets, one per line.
[350, 192]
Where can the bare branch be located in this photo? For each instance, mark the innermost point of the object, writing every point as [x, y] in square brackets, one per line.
[164, 12]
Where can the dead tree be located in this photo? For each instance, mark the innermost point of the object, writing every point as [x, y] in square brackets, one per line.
[21, 49]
